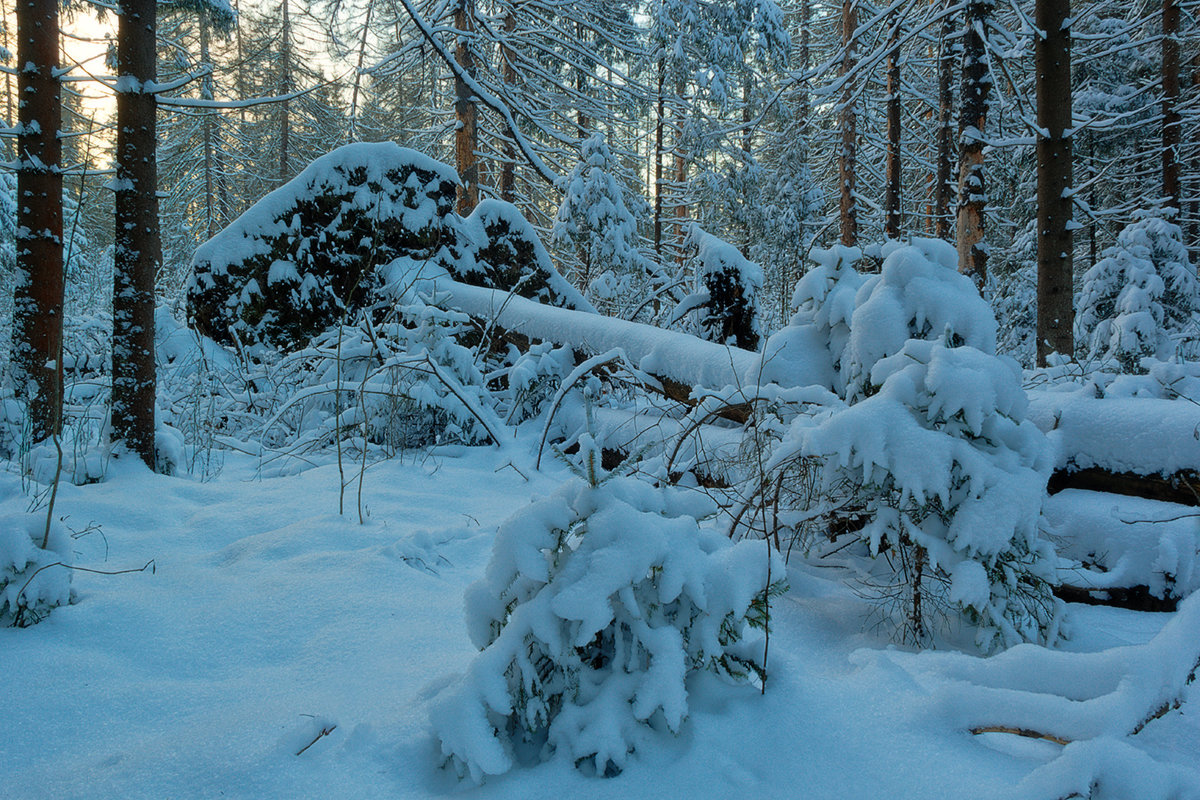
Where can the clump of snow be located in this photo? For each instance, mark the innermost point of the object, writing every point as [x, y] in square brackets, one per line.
[598, 603]
[30, 583]
[1145, 436]
[1140, 543]
[919, 294]
[1140, 297]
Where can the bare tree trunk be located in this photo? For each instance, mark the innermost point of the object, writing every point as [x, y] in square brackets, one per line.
[805, 104]
[358, 71]
[660, 124]
[581, 119]
[507, 176]
[285, 86]
[38, 290]
[466, 111]
[944, 188]
[8, 81]
[1172, 122]
[848, 157]
[680, 209]
[893, 219]
[972, 122]
[213, 167]
[1052, 58]
[138, 251]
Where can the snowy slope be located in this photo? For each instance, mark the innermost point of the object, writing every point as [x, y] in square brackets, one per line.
[269, 618]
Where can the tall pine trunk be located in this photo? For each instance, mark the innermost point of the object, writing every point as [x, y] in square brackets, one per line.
[38, 290]
[1172, 122]
[466, 112]
[1052, 56]
[660, 123]
[972, 123]
[285, 87]
[507, 176]
[944, 174]
[138, 251]
[892, 213]
[848, 156]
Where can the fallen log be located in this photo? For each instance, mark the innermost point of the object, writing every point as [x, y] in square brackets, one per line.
[1179, 487]
[681, 363]
[1140, 447]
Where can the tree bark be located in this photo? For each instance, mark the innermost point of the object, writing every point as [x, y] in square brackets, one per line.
[944, 188]
[848, 156]
[972, 122]
[507, 176]
[1052, 61]
[893, 219]
[1172, 121]
[466, 111]
[285, 86]
[659, 126]
[138, 251]
[38, 290]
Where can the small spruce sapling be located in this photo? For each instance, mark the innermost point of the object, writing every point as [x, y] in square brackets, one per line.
[598, 603]
[1140, 297]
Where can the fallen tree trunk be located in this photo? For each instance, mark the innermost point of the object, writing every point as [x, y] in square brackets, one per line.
[1180, 487]
[680, 362]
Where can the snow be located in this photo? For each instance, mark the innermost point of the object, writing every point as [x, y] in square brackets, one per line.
[1146, 436]
[666, 353]
[1130, 542]
[270, 619]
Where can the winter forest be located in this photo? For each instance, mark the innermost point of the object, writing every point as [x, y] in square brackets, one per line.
[600, 398]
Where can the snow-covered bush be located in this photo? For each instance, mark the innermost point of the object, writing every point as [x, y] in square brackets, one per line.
[598, 603]
[596, 229]
[950, 477]
[498, 248]
[918, 294]
[390, 385]
[1140, 297]
[824, 303]
[29, 585]
[927, 456]
[726, 296]
[300, 258]
[314, 251]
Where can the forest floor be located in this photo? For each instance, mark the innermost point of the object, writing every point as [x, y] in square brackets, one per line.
[269, 619]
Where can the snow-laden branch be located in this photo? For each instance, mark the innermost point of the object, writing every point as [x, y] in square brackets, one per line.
[484, 96]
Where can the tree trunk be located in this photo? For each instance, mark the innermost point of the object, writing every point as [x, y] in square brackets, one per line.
[847, 158]
[1172, 122]
[972, 122]
[38, 290]
[353, 135]
[1052, 58]
[892, 213]
[507, 176]
[285, 86]
[944, 188]
[660, 124]
[679, 186]
[138, 251]
[466, 111]
[581, 118]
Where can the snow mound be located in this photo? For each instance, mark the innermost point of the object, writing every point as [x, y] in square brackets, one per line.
[30, 584]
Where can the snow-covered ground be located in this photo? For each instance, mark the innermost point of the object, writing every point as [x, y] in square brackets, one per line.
[269, 619]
